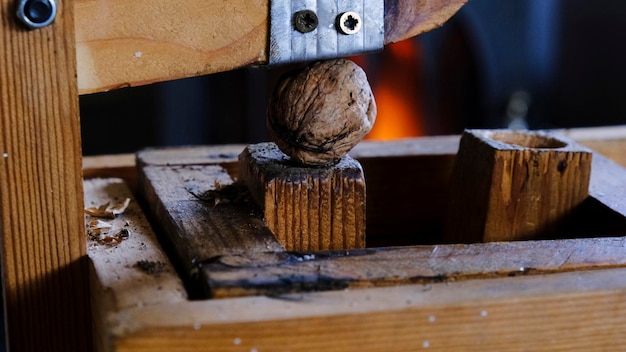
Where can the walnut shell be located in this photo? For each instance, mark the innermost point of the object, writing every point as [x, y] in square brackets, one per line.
[316, 115]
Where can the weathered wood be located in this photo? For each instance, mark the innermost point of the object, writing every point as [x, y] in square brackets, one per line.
[123, 43]
[577, 311]
[513, 185]
[203, 214]
[43, 244]
[407, 18]
[288, 272]
[133, 273]
[306, 208]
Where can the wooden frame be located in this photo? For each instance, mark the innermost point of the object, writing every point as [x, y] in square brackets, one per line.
[492, 296]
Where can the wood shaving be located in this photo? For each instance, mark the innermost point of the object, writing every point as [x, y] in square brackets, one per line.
[107, 210]
[98, 227]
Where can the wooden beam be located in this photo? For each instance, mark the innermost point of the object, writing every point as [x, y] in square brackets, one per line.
[41, 196]
[203, 215]
[274, 274]
[123, 43]
[407, 18]
[577, 311]
[132, 272]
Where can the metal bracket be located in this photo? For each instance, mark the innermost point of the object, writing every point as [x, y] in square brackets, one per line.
[304, 30]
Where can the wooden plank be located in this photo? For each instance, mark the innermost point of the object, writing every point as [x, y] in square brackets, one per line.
[288, 272]
[132, 273]
[123, 43]
[306, 208]
[203, 214]
[43, 247]
[577, 311]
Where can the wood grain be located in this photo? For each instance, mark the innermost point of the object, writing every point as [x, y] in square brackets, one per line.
[274, 274]
[133, 273]
[202, 215]
[306, 208]
[121, 43]
[513, 185]
[407, 18]
[577, 311]
[43, 243]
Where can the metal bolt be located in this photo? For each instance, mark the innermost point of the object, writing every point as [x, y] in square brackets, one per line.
[36, 13]
[348, 23]
[305, 21]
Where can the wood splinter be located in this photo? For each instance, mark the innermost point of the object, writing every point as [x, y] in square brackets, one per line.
[313, 195]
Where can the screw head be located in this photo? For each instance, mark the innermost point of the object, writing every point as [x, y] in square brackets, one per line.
[305, 21]
[36, 13]
[349, 23]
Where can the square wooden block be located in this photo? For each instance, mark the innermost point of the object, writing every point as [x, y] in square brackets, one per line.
[513, 185]
[307, 208]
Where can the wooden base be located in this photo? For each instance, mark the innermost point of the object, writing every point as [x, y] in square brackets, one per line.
[307, 208]
[509, 185]
[460, 296]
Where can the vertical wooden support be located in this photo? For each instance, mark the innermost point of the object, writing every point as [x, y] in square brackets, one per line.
[307, 208]
[509, 185]
[41, 198]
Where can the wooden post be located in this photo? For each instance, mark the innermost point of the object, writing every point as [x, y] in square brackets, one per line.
[509, 185]
[41, 199]
[307, 208]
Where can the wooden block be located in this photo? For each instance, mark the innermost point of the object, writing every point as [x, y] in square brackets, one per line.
[509, 185]
[307, 208]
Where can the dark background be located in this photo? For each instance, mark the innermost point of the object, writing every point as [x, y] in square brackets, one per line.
[497, 63]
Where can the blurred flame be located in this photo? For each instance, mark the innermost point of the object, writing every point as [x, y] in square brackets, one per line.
[397, 91]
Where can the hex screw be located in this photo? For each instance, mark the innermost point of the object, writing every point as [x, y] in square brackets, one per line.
[36, 13]
[348, 23]
[305, 21]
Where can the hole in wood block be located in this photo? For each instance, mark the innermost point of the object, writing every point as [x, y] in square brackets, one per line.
[526, 139]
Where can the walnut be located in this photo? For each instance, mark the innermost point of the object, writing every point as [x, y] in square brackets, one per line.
[317, 114]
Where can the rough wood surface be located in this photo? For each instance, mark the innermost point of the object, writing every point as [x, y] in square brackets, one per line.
[306, 208]
[43, 247]
[202, 215]
[288, 272]
[577, 311]
[512, 185]
[132, 273]
[123, 43]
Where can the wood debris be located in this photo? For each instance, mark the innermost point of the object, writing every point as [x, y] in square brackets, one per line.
[108, 210]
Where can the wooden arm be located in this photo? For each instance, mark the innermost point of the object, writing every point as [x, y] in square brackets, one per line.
[121, 43]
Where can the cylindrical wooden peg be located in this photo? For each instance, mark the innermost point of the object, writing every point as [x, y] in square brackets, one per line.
[513, 185]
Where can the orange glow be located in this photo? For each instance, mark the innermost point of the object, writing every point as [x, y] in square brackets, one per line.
[397, 91]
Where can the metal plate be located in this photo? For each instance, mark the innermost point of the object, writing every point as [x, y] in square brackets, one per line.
[289, 45]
